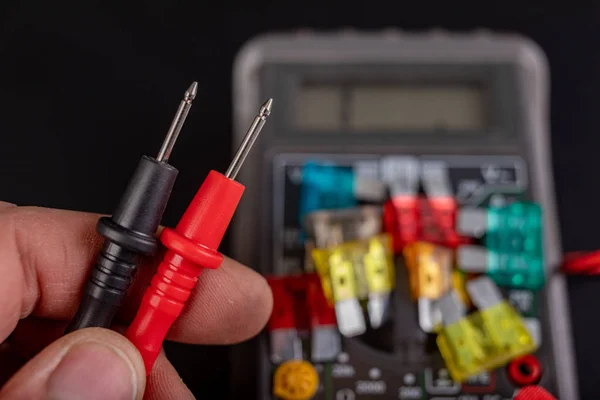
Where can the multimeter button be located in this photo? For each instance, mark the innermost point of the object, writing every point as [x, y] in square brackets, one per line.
[295, 380]
[485, 381]
[524, 371]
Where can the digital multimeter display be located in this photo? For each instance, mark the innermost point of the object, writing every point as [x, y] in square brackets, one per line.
[392, 108]
[439, 144]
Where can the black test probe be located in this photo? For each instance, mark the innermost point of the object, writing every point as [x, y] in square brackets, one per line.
[130, 234]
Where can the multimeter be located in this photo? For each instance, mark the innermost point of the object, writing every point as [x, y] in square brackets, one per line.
[472, 108]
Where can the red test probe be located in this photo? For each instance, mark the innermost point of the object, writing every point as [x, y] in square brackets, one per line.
[582, 263]
[191, 247]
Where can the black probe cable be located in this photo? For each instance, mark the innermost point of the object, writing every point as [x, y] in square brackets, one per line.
[130, 234]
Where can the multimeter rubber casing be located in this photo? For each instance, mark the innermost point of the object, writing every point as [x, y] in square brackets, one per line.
[507, 158]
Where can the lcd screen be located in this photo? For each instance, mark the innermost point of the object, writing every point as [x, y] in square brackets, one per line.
[319, 108]
[417, 108]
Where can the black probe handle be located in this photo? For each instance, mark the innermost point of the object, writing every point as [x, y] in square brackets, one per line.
[129, 236]
[111, 276]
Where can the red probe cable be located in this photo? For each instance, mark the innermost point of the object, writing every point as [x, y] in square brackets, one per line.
[585, 263]
[191, 247]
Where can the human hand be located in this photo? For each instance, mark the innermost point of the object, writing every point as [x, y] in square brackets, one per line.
[45, 258]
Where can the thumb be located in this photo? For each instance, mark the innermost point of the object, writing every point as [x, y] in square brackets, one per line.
[89, 364]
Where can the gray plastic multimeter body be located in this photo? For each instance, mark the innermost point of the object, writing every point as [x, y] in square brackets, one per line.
[330, 103]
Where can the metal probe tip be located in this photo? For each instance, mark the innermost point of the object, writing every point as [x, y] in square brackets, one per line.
[265, 110]
[249, 139]
[177, 124]
[190, 94]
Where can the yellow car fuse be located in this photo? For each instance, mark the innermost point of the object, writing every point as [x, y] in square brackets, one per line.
[348, 312]
[485, 340]
[341, 270]
[330, 228]
[461, 342]
[355, 271]
[379, 264]
[321, 259]
[357, 252]
[506, 328]
[321, 263]
[380, 277]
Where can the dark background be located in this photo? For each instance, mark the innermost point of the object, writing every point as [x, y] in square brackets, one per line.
[86, 88]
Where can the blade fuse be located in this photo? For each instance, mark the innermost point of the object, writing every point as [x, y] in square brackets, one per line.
[299, 306]
[430, 277]
[320, 259]
[326, 186]
[346, 268]
[283, 333]
[461, 343]
[332, 228]
[400, 213]
[380, 274]
[487, 339]
[505, 327]
[430, 267]
[336, 271]
[326, 342]
[513, 240]
[439, 227]
[349, 314]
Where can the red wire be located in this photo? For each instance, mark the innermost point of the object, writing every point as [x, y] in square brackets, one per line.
[581, 262]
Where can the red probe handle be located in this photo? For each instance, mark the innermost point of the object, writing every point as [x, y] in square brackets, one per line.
[192, 246]
[163, 301]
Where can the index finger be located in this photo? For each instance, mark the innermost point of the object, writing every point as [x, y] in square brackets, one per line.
[46, 257]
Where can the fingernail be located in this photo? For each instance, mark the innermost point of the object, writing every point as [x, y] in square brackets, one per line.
[92, 371]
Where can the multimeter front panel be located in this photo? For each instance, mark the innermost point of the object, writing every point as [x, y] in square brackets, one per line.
[345, 114]
[371, 367]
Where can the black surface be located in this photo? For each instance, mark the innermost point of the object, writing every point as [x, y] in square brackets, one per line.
[86, 82]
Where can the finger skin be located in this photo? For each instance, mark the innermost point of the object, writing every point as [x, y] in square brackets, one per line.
[228, 305]
[33, 380]
[32, 335]
[47, 255]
